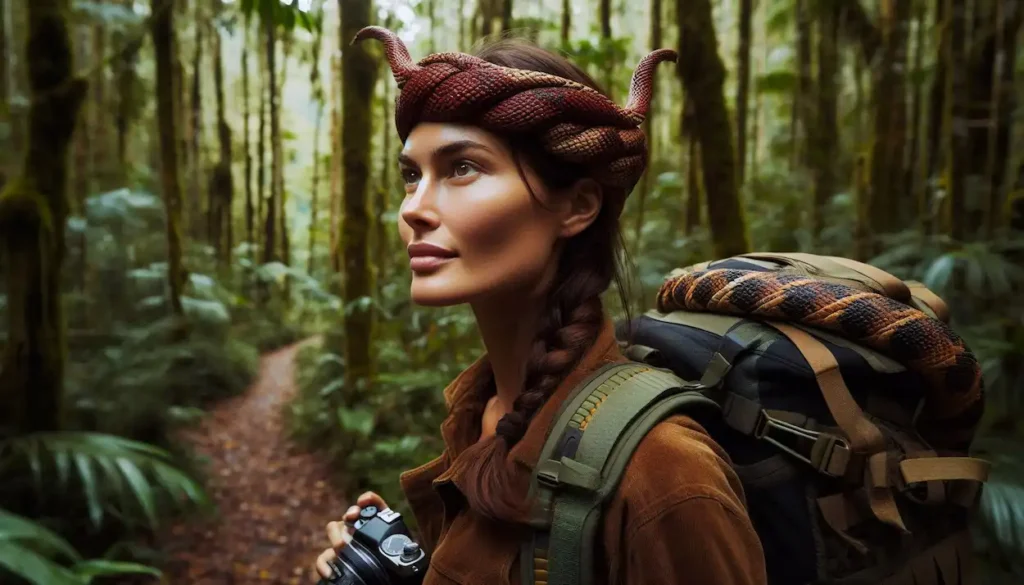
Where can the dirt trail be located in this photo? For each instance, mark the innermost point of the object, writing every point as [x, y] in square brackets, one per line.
[273, 499]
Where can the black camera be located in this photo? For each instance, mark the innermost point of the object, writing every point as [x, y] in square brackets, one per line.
[381, 553]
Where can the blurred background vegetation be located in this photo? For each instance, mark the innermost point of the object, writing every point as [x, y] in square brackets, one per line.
[189, 183]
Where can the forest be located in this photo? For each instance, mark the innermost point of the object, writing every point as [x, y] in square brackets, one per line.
[207, 347]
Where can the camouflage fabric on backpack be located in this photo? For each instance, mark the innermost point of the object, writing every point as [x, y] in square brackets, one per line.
[843, 398]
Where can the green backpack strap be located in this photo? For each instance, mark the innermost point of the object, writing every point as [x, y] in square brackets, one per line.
[584, 457]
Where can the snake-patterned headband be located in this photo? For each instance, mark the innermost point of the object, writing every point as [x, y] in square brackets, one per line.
[574, 122]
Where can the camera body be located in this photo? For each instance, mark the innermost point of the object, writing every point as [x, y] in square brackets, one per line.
[381, 553]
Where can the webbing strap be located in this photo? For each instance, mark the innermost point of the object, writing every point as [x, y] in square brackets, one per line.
[919, 469]
[580, 482]
[863, 435]
[922, 294]
[894, 288]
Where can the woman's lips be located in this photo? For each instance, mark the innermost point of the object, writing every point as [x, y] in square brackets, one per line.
[427, 263]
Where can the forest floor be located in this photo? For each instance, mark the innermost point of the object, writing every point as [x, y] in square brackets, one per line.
[273, 499]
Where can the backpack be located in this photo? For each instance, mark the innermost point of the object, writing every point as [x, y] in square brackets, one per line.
[845, 402]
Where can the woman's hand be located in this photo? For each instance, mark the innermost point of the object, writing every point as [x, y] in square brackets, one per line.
[340, 533]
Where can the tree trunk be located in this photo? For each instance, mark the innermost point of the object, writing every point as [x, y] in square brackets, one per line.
[383, 248]
[506, 15]
[359, 71]
[127, 107]
[936, 107]
[247, 144]
[318, 95]
[278, 153]
[336, 150]
[803, 112]
[827, 127]
[693, 190]
[742, 89]
[891, 206]
[222, 188]
[270, 48]
[703, 77]
[165, 48]
[955, 127]
[566, 22]
[607, 66]
[195, 167]
[1013, 17]
[33, 211]
[645, 180]
[915, 161]
[315, 203]
[261, 146]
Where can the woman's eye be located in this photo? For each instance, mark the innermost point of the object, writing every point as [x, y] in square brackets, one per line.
[463, 169]
[410, 176]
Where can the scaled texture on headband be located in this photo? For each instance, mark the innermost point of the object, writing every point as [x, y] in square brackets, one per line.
[573, 121]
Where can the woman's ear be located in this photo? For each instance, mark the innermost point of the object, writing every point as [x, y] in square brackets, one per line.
[583, 203]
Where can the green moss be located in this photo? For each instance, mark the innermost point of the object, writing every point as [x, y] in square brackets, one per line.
[23, 208]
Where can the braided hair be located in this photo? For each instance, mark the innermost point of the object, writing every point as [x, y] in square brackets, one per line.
[573, 314]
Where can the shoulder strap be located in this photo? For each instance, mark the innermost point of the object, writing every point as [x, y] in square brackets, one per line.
[583, 460]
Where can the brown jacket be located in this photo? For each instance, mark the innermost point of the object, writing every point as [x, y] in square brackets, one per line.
[678, 516]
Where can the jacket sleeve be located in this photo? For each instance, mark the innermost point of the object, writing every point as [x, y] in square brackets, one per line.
[680, 517]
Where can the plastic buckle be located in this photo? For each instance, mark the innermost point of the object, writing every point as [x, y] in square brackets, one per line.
[814, 448]
[547, 474]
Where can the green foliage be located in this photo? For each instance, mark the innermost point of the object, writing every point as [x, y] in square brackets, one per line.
[30, 552]
[285, 16]
[108, 475]
[371, 435]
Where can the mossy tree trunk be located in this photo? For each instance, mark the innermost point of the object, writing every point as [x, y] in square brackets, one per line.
[278, 154]
[957, 113]
[222, 188]
[196, 201]
[382, 247]
[649, 130]
[261, 147]
[127, 100]
[336, 169]
[891, 205]
[318, 95]
[359, 72]
[703, 76]
[250, 210]
[1007, 100]
[270, 225]
[743, 87]
[566, 31]
[165, 49]
[826, 128]
[33, 211]
[608, 66]
[803, 103]
[914, 179]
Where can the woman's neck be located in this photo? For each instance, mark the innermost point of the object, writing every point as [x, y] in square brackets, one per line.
[508, 333]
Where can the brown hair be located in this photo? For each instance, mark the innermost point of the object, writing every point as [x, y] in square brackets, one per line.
[574, 314]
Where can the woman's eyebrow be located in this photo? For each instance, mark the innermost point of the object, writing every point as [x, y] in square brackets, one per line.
[447, 150]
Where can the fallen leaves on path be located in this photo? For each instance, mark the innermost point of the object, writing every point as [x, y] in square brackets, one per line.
[274, 500]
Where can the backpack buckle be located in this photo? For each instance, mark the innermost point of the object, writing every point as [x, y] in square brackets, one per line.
[828, 453]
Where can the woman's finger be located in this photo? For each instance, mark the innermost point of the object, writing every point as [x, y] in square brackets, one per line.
[352, 514]
[335, 533]
[371, 499]
[321, 563]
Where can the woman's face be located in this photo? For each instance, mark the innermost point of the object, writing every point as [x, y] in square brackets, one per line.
[473, 230]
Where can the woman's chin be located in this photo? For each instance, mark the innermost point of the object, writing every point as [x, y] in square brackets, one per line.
[434, 294]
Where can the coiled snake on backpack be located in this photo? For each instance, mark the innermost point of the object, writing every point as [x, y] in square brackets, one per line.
[954, 395]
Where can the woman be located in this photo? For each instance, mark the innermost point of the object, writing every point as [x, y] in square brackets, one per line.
[516, 169]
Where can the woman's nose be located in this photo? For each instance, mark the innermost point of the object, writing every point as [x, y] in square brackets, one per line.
[420, 210]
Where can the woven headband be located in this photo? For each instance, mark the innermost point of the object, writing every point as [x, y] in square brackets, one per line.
[574, 122]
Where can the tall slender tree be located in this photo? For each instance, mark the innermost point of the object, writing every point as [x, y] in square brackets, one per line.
[33, 211]
[165, 49]
[743, 87]
[359, 73]
[703, 75]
